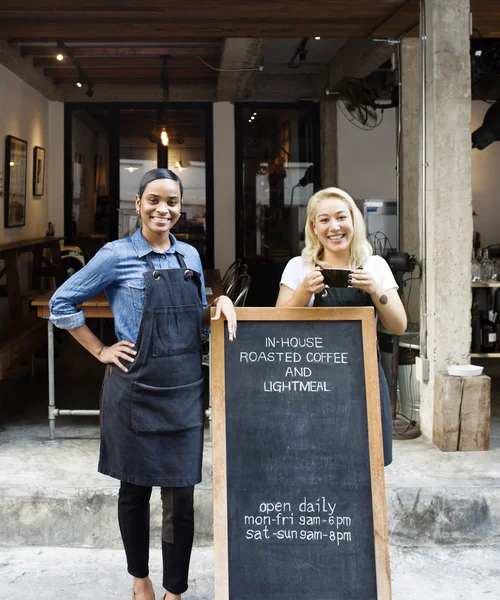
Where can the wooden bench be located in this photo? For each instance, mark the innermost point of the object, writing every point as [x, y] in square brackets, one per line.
[18, 343]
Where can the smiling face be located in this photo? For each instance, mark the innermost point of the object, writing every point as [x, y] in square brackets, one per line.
[159, 208]
[334, 227]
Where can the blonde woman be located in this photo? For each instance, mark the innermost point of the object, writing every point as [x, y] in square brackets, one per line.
[335, 238]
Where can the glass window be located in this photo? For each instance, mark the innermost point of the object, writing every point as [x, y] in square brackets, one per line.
[186, 157]
[279, 151]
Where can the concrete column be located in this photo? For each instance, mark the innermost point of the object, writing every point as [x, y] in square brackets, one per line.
[410, 166]
[329, 145]
[224, 186]
[448, 206]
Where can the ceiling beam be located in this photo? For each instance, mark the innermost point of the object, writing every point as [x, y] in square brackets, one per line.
[202, 91]
[239, 64]
[356, 58]
[9, 58]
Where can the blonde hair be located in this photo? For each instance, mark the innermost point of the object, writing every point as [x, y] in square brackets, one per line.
[360, 249]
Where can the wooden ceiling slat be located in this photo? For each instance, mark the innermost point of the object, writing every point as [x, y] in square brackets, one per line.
[157, 19]
[75, 41]
[131, 61]
[78, 52]
[146, 6]
[133, 81]
[193, 9]
[127, 71]
[283, 28]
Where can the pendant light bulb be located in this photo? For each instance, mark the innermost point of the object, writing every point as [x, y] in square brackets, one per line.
[164, 137]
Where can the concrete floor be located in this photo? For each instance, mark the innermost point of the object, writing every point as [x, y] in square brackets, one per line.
[437, 573]
[58, 531]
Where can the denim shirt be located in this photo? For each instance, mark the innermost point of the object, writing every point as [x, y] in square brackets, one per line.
[117, 270]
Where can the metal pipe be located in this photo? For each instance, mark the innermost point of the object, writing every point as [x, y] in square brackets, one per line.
[76, 413]
[52, 396]
[397, 52]
[423, 192]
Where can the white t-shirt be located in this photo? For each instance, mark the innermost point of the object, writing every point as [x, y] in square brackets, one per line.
[297, 268]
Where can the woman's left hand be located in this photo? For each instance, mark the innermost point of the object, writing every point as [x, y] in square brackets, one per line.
[363, 280]
[224, 306]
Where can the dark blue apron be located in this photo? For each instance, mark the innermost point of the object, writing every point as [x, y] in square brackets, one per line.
[152, 416]
[333, 297]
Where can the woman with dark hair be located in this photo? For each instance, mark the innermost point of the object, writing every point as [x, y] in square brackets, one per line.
[152, 394]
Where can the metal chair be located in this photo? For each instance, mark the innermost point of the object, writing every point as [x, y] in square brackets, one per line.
[231, 274]
[238, 291]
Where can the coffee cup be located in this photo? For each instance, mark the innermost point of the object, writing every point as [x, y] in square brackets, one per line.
[336, 277]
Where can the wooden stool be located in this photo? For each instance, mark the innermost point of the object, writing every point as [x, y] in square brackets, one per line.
[462, 413]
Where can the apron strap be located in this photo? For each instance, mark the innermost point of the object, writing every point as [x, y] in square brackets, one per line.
[181, 260]
[178, 256]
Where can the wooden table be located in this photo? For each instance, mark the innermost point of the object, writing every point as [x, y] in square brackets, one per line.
[9, 253]
[97, 308]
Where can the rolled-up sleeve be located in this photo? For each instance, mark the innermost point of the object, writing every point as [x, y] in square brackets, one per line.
[95, 277]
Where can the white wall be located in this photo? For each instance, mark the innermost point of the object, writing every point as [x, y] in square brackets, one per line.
[367, 159]
[485, 183]
[24, 114]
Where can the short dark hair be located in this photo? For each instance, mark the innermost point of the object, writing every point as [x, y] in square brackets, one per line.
[158, 174]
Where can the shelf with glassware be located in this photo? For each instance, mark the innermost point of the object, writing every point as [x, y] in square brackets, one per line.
[485, 305]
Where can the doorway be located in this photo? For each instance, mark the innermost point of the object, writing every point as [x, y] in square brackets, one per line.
[277, 171]
[109, 147]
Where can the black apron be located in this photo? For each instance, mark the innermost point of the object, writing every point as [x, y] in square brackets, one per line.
[152, 416]
[333, 297]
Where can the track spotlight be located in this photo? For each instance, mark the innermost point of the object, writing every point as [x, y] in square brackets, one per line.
[90, 90]
[79, 84]
[60, 56]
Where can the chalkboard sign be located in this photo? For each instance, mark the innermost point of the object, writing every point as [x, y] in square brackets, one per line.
[299, 497]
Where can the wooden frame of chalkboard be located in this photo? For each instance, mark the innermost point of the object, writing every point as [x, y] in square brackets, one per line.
[298, 475]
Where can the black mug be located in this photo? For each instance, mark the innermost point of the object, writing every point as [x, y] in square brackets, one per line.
[338, 278]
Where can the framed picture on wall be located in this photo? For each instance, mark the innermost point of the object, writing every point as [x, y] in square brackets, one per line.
[16, 153]
[38, 170]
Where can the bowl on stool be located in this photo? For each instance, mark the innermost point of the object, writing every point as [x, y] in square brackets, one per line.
[465, 370]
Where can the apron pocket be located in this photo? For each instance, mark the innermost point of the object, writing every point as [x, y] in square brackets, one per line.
[162, 410]
[176, 330]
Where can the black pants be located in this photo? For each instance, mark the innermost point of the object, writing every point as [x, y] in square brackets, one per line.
[177, 532]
